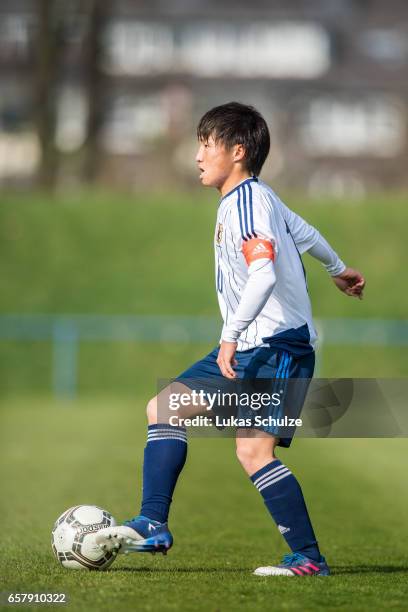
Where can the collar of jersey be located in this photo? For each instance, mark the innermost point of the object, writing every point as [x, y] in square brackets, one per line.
[244, 182]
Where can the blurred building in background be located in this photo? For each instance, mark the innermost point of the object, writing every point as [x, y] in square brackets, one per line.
[110, 92]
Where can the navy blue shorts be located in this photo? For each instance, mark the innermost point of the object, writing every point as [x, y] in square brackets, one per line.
[262, 368]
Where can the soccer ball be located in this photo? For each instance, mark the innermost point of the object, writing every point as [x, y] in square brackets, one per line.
[73, 538]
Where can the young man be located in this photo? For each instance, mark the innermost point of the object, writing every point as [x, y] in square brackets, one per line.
[268, 333]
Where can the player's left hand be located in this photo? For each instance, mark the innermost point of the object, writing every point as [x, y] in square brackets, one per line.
[351, 282]
[226, 359]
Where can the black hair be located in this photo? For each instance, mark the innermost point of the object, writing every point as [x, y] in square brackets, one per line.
[235, 123]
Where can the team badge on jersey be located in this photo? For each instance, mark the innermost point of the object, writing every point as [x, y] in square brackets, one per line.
[220, 229]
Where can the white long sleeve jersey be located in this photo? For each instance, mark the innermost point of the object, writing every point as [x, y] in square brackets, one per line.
[252, 210]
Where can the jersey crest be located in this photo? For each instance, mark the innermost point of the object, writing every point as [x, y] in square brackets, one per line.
[220, 229]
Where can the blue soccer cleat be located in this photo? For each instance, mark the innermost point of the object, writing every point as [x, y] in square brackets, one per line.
[296, 564]
[140, 534]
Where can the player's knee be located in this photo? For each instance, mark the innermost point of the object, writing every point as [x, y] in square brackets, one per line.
[151, 411]
[253, 456]
[246, 453]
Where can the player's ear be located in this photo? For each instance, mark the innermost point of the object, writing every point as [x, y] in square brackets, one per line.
[238, 152]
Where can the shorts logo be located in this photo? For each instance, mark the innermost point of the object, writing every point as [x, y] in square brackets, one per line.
[220, 229]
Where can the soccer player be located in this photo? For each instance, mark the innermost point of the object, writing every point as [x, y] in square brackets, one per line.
[268, 333]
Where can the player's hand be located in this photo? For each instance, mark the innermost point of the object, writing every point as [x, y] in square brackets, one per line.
[350, 282]
[226, 359]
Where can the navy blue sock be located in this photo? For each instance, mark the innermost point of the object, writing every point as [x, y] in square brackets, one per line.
[164, 458]
[284, 499]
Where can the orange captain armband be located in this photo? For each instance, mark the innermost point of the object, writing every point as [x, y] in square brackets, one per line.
[258, 248]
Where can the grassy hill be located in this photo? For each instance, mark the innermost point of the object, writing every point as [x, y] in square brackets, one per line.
[120, 254]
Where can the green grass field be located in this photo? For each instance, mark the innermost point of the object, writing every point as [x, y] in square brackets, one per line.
[111, 254]
[55, 456]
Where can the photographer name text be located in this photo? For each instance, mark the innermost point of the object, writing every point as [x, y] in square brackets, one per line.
[218, 421]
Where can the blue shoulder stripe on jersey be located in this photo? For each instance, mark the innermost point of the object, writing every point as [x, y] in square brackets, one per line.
[251, 211]
[240, 214]
[252, 179]
[245, 210]
[248, 212]
[247, 233]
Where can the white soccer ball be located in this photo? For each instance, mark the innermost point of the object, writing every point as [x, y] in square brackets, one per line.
[73, 538]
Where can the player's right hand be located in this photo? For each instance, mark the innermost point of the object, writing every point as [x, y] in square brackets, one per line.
[226, 359]
[351, 282]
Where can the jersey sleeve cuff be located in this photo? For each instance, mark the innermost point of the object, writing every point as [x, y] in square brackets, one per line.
[337, 268]
[230, 335]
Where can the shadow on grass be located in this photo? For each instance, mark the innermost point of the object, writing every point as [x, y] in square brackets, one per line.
[337, 570]
[181, 570]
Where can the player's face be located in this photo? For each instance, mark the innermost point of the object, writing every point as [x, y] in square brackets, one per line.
[215, 163]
